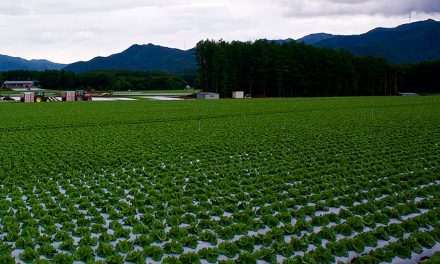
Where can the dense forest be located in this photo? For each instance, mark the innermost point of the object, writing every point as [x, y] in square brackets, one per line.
[265, 68]
[421, 78]
[100, 80]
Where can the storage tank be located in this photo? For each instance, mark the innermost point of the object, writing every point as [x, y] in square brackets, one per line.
[27, 97]
[68, 96]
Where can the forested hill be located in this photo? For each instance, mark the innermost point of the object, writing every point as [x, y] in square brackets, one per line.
[309, 39]
[14, 63]
[409, 43]
[315, 38]
[141, 57]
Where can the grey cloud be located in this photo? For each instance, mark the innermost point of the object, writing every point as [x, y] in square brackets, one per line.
[13, 10]
[65, 7]
[357, 7]
[71, 30]
[292, 7]
[405, 6]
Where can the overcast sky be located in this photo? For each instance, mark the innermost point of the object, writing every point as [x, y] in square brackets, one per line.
[70, 30]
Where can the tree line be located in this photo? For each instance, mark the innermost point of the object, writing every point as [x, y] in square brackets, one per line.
[261, 69]
[114, 80]
[269, 69]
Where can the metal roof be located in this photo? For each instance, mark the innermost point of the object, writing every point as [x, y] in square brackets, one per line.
[207, 93]
[19, 82]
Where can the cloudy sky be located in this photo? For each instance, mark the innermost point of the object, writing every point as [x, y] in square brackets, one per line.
[70, 30]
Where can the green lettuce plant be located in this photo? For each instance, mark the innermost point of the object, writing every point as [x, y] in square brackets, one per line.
[228, 249]
[136, 256]
[209, 254]
[28, 255]
[155, 252]
[84, 253]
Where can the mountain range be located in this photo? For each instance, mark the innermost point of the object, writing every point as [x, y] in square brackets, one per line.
[14, 63]
[141, 57]
[408, 43]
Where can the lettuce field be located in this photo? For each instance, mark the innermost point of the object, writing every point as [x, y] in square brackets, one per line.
[350, 180]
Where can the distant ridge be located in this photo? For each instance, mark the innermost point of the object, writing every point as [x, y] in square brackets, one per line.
[309, 39]
[141, 57]
[315, 38]
[8, 63]
[408, 43]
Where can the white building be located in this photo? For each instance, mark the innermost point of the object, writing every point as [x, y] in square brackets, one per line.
[238, 94]
[9, 85]
[205, 95]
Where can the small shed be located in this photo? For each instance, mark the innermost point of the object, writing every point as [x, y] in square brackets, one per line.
[238, 94]
[205, 95]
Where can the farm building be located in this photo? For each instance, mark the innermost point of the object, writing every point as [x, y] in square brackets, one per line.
[408, 94]
[238, 94]
[205, 95]
[8, 85]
